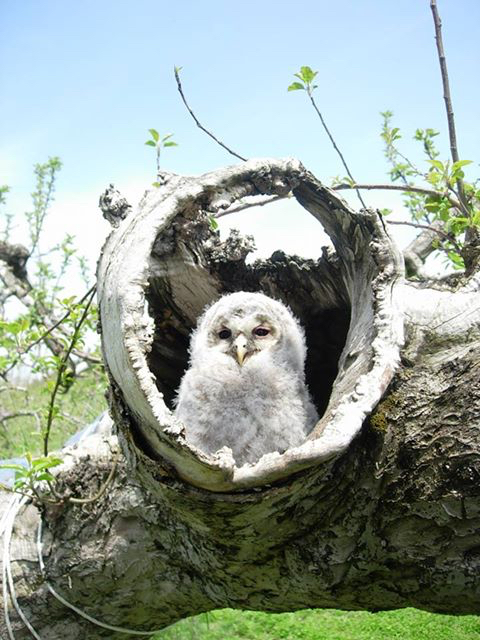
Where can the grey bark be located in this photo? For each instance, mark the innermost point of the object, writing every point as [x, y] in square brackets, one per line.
[378, 509]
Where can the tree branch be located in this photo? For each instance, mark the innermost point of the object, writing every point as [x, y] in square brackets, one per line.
[61, 371]
[436, 230]
[395, 187]
[447, 97]
[249, 205]
[45, 335]
[198, 123]
[446, 86]
[332, 140]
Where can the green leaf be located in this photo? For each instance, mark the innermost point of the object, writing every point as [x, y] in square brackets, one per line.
[456, 225]
[45, 476]
[437, 164]
[433, 177]
[395, 135]
[460, 163]
[155, 134]
[456, 259]
[307, 74]
[296, 86]
[178, 69]
[213, 223]
[15, 467]
[46, 463]
[170, 144]
[150, 143]
[156, 184]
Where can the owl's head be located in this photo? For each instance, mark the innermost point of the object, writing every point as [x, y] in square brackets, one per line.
[242, 325]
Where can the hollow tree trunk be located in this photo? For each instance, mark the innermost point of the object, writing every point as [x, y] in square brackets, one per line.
[378, 509]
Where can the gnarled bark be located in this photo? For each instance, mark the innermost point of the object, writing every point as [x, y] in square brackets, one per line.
[378, 509]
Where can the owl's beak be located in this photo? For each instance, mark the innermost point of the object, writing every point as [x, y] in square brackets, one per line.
[240, 348]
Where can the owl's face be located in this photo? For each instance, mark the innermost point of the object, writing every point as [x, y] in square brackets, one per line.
[243, 334]
[243, 325]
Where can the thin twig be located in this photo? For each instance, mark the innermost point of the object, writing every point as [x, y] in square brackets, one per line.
[334, 144]
[75, 421]
[59, 499]
[416, 225]
[446, 88]
[45, 334]
[39, 221]
[249, 205]
[445, 82]
[13, 388]
[16, 414]
[86, 357]
[61, 370]
[102, 489]
[27, 494]
[396, 187]
[180, 90]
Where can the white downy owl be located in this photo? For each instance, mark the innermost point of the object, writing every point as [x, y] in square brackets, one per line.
[245, 388]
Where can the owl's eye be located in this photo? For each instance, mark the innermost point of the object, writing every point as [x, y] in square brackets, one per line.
[261, 331]
[224, 334]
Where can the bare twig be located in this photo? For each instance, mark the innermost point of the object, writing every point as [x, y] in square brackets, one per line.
[327, 130]
[16, 414]
[86, 357]
[72, 419]
[446, 86]
[396, 187]
[39, 221]
[180, 90]
[439, 232]
[448, 101]
[102, 489]
[249, 205]
[28, 494]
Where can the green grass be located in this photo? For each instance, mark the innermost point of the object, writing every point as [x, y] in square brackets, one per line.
[81, 405]
[405, 624]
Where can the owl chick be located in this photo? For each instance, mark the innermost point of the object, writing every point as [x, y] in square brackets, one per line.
[245, 388]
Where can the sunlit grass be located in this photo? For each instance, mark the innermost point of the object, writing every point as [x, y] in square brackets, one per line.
[404, 624]
[84, 401]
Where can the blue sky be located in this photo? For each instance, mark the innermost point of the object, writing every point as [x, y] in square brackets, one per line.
[85, 80]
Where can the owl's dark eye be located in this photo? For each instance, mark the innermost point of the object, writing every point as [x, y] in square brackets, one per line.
[224, 334]
[261, 331]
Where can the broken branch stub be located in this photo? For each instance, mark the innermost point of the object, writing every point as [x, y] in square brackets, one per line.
[164, 263]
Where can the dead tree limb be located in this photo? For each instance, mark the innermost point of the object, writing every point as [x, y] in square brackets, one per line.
[378, 509]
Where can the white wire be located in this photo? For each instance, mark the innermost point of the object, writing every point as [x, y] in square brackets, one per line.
[7, 569]
[5, 515]
[73, 607]
[6, 529]
[7, 526]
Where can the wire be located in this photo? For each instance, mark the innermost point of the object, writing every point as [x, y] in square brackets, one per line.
[73, 607]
